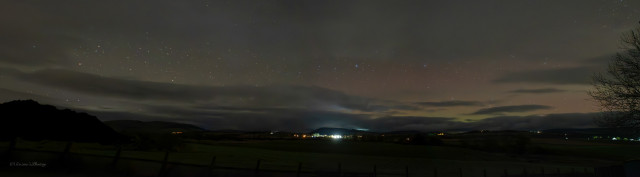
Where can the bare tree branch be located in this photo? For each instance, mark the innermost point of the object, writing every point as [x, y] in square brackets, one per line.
[618, 92]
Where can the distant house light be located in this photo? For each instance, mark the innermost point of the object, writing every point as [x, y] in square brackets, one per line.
[176, 133]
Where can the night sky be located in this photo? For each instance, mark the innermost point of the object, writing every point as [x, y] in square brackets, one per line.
[299, 65]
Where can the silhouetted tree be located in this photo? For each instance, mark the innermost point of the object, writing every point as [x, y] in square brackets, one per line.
[618, 92]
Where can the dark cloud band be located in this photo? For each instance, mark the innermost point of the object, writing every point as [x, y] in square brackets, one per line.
[304, 120]
[450, 103]
[577, 75]
[538, 91]
[511, 109]
[241, 96]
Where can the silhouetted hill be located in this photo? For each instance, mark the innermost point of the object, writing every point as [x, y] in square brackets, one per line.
[404, 132]
[135, 126]
[335, 131]
[30, 120]
[233, 131]
[493, 132]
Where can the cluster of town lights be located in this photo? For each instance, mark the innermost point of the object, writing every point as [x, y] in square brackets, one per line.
[317, 135]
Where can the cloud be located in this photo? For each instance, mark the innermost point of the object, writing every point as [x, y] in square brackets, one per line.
[10, 95]
[537, 91]
[112, 87]
[575, 75]
[32, 38]
[276, 107]
[602, 60]
[508, 109]
[306, 120]
[533, 122]
[397, 123]
[265, 119]
[570, 75]
[401, 29]
[539, 122]
[450, 103]
[388, 106]
[241, 96]
[279, 119]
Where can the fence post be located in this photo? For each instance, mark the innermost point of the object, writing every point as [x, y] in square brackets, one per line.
[64, 155]
[117, 156]
[505, 172]
[375, 171]
[340, 169]
[67, 148]
[212, 166]
[524, 171]
[163, 169]
[542, 170]
[12, 145]
[213, 162]
[299, 169]
[460, 169]
[406, 171]
[484, 172]
[435, 172]
[258, 165]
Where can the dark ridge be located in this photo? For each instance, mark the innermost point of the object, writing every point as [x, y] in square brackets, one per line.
[31, 120]
[332, 131]
[135, 126]
[230, 131]
[404, 132]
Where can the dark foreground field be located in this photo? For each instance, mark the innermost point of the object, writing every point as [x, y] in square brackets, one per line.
[307, 158]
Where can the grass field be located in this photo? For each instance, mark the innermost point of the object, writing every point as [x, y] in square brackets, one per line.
[594, 150]
[362, 156]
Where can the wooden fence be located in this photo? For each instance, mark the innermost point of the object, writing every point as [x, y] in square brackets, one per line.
[212, 169]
